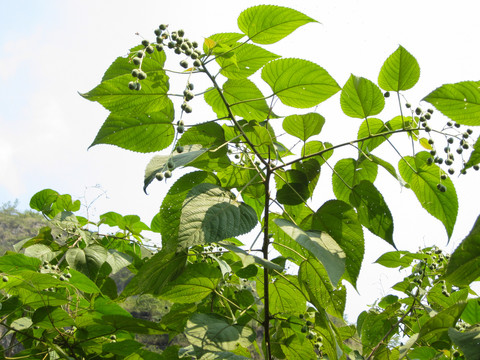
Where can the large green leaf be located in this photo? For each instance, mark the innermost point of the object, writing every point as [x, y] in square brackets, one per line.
[464, 265]
[143, 133]
[248, 259]
[158, 164]
[299, 83]
[248, 59]
[372, 210]
[285, 295]
[211, 214]
[340, 221]
[350, 172]
[211, 332]
[194, 284]
[468, 341]
[460, 101]
[303, 126]
[399, 72]
[157, 273]
[361, 98]
[87, 260]
[423, 180]
[369, 127]
[321, 245]
[167, 221]
[249, 102]
[393, 259]
[471, 314]
[292, 187]
[267, 24]
[314, 280]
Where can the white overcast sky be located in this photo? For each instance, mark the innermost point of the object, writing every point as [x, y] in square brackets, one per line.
[50, 50]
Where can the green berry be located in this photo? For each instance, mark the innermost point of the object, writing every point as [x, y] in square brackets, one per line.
[178, 51]
[188, 52]
[188, 109]
[180, 149]
[194, 44]
[149, 49]
[188, 95]
[132, 85]
[194, 56]
[386, 94]
[5, 278]
[181, 32]
[180, 123]
[145, 42]
[171, 45]
[430, 111]
[197, 63]
[135, 72]
[180, 129]
[190, 86]
[174, 35]
[168, 174]
[418, 111]
[157, 32]
[159, 176]
[427, 116]
[162, 27]
[170, 164]
[184, 64]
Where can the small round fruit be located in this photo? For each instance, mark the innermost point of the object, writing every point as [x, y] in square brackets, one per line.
[418, 111]
[448, 162]
[476, 167]
[170, 164]
[140, 54]
[428, 128]
[68, 275]
[159, 176]
[188, 52]
[159, 47]
[171, 45]
[469, 131]
[430, 141]
[157, 32]
[113, 337]
[184, 64]
[430, 161]
[132, 85]
[168, 174]
[162, 27]
[430, 111]
[386, 94]
[309, 336]
[180, 123]
[142, 75]
[188, 109]
[443, 176]
[149, 49]
[309, 323]
[174, 35]
[427, 116]
[459, 150]
[139, 87]
[457, 125]
[441, 187]
[197, 63]
[451, 171]
[5, 278]
[180, 149]
[194, 56]
[190, 86]
[62, 278]
[159, 40]
[194, 44]
[178, 51]
[181, 32]
[463, 171]
[180, 129]
[145, 42]
[408, 105]
[135, 72]
[304, 329]
[136, 60]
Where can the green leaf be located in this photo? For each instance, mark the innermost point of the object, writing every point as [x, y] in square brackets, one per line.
[123, 347]
[248, 259]
[211, 214]
[167, 221]
[299, 83]
[372, 210]
[49, 317]
[423, 180]
[83, 283]
[211, 332]
[389, 167]
[157, 273]
[361, 98]
[393, 259]
[285, 295]
[303, 126]
[246, 100]
[43, 200]
[471, 314]
[249, 58]
[292, 187]
[12, 261]
[340, 221]
[441, 322]
[142, 133]
[321, 245]
[194, 284]
[267, 24]
[468, 341]
[350, 172]
[460, 101]
[115, 95]
[399, 72]
[314, 280]
[474, 156]
[374, 328]
[158, 164]
[315, 147]
[87, 260]
[464, 265]
[372, 126]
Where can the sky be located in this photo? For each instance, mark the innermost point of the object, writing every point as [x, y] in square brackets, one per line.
[52, 50]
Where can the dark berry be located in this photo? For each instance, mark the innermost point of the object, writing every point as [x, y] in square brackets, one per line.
[180, 123]
[449, 123]
[178, 51]
[463, 171]
[443, 176]
[194, 56]
[157, 32]
[135, 72]
[171, 45]
[159, 47]
[430, 111]
[448, 162]
[451, 171]
[188, 52]
[194, 44]
[433, 152]
[168, 174]
[139, 87]
[476, 167]
[429, 161]
[137, 61]
[387, 94]
[457, 125]
[188, 109]
[132, 85]
[181, 32]
[5, 278]
[162, 27]
[149, 49]
[180, 129]
[469, 131]
[159, 176]
[145, 43]
[459, 150]
[427, 116]
[184, 64]
[418, 111]
[159, 40]
[450, 140]
[140, 54]
[408, 105]
[197, 63]
[170, 164]
[174, 35]
[428, 128]
[430, 141]
[142, 75]
[180, 149]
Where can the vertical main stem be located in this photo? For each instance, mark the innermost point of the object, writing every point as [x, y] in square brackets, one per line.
[266, 244]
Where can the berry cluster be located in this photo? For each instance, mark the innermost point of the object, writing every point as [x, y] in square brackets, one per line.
[175, 41]
[459, 136]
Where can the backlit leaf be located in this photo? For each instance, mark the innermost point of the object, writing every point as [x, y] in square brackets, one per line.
[303, 126]
[399, 72]
[361, 98]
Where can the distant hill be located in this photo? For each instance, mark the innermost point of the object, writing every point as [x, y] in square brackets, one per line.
[16, 225]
